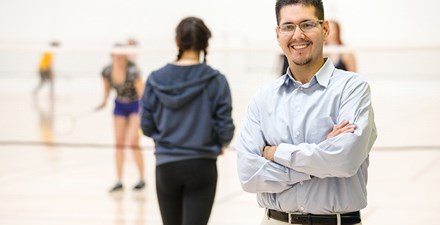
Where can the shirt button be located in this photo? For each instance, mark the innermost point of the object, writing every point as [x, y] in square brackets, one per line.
[301, 208]
[298, 109]
[301, 182]
[297, 133]
[301, 88]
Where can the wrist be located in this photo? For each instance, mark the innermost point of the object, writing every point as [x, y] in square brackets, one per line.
[273, 149]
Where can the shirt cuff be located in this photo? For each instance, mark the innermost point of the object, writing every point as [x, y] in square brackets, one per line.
[283, 154]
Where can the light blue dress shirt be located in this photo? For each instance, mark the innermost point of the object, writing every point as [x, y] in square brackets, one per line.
[309, 174]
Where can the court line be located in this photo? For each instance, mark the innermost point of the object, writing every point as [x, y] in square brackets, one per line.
[149, 147]
[407, 148]
[65, 144]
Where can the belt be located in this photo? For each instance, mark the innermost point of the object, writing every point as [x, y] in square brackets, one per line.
[314, 219]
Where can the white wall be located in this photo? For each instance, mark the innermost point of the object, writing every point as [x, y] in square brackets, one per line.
[234, 23]
[107, 21]
[387, 22]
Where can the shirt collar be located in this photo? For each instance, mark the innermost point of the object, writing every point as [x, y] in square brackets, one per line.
[324, 74]
[322, 77]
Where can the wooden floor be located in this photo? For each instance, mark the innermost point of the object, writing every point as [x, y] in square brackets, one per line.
[67, 182]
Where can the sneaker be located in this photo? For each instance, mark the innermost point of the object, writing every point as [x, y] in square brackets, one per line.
[139, 186]
[118, 187]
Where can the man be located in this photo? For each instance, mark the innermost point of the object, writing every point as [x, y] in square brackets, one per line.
[304, 145]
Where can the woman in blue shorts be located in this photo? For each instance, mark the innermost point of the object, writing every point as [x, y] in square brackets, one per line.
[124, 76]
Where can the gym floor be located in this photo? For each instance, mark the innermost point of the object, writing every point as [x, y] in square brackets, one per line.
[67, 182]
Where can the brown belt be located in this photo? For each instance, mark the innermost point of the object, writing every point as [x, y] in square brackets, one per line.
[315, 219]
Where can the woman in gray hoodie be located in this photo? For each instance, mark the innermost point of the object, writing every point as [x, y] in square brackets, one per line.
[186, 109]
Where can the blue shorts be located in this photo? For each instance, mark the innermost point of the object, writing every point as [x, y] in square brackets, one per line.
[125, 109]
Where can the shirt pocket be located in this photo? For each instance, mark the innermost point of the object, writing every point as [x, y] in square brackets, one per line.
[319, 129]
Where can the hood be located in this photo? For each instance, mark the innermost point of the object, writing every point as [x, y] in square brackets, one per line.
[177, 85]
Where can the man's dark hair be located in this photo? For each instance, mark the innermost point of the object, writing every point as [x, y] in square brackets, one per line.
[192, 34]
[315, 3]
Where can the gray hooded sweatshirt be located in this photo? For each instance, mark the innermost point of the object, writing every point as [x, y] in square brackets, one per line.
[187, 112]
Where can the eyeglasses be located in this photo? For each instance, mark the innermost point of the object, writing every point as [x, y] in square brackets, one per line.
[305, 26]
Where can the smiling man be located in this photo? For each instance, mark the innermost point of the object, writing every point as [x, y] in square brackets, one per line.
[303, 47]
[304, 146]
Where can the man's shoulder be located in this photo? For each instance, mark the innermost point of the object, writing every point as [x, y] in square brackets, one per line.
[349, 82]
[349, 77]
[266, 92]
[273, 86]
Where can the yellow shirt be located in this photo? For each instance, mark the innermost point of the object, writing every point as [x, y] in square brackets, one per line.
[46, 61]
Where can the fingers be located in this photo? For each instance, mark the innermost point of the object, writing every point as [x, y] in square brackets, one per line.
[269, 152]
[347, 129]
[342, 128]
[341, 125]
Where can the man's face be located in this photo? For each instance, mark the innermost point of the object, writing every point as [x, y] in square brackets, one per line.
[301, 48]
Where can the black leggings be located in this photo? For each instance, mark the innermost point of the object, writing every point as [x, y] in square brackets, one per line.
[186, 191]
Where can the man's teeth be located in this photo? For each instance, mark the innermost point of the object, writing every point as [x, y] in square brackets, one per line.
[299, 46]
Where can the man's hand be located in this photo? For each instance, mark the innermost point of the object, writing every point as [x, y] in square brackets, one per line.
[269, 152]
[342, 128]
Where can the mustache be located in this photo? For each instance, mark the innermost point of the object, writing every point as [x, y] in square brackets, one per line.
[302, 41]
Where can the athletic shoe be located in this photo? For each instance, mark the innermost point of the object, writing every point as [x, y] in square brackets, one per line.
[118, 187]
[139, 186]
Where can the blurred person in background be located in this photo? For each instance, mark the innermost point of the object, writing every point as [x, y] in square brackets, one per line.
[124, 76]
[186, 109]
[133, 45]
[344, 60]
[45, 70]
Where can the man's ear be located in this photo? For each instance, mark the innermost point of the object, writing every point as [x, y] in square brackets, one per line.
[325, 29]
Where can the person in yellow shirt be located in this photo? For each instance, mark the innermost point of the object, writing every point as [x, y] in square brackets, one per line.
[46, 71]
